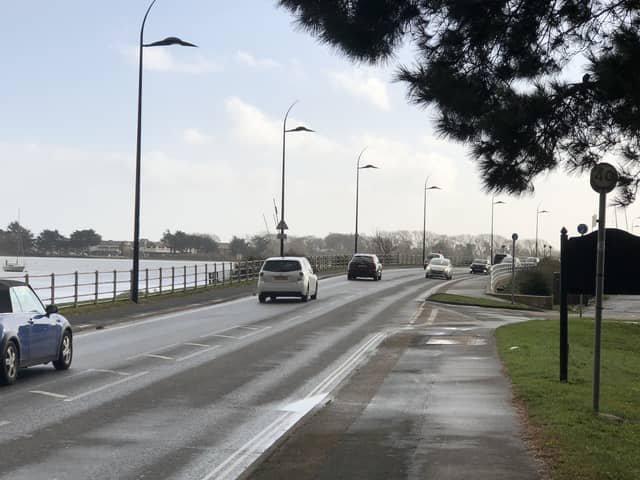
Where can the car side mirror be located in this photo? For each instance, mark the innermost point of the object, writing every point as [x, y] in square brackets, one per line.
[51, 309]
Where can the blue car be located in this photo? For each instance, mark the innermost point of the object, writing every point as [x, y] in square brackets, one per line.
[30, 334]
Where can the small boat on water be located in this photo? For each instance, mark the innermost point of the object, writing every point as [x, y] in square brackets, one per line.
[13, 267]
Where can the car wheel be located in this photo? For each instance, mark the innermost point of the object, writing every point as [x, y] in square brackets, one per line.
[65, 354]
[262, 298]
[315, 294]
[305, 297]
[10, 361]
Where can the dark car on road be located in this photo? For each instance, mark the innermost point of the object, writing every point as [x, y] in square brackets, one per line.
[479, 265]
[364, 265]
[30, 334]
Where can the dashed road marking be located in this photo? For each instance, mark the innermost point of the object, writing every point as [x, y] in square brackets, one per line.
[48, 394]
[4, 423]
[222, 336]
[195, 354]
[157, 349]
[197, 344]
[104, 387]
[432, 316]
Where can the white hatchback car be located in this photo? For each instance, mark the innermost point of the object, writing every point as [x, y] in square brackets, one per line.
[287, 277]
[439, 267]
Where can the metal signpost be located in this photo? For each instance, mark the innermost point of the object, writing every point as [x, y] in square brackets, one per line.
[604, 178]
[514, 237]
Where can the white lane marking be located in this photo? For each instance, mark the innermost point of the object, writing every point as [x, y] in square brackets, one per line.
[167, 316]
[115, 372]
[84, 325]
[246, 447]
[104, 387]
[417, 314]
[4, 423]
[303, 406]
[197, 344]
[222, 336]
[432, 316]
[248, 327]
[157, 349]
[48, 394]
[195, 354]
[161, 357]
[217, 332]
[255, 332]
[270, 434]
[216, 306]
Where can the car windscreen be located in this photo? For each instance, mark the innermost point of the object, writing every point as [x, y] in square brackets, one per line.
[439, 261]
[281, 266]
[362, 259]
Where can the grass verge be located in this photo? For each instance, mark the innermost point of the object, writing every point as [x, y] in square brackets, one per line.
[577, 443]
[478, 301]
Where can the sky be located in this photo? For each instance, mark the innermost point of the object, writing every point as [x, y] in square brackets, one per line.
[212, 131]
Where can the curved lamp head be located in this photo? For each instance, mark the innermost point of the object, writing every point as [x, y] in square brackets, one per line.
[368, 165]
[300, 128]
[499, 202]
[169, 41]
[544, 211]
[433, 187]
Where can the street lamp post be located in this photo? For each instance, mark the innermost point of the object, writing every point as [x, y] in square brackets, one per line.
[136, 214]
[358, 168]
[424, 216]
[493, 203]
[538, 212]
[282, 226]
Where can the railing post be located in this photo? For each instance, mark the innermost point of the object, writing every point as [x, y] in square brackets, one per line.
[230, 273]
[96, 288]
[53, 288]
[223, 274]
[75, 289]
[146, 282]
[184, 278]
[173, 279]
[115, 284]
[215, 274]
[160, 280]
[206, 275]
[195, 271]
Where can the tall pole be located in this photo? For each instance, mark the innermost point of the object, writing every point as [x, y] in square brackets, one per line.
[599, 293]
[424, 221]
[136, 214]
[355, 247]
[491, 247]
[283, 225]
[538, 212]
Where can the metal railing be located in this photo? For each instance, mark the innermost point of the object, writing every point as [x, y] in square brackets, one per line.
[90, 288]
[501, 273]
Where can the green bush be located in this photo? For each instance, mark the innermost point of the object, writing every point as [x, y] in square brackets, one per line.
[533, 282]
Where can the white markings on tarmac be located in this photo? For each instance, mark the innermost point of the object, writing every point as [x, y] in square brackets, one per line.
[48, 394]
[104, 387]
[4, 423]
[159, 349]
[115, 372]
[197, 344]
[432, 316]
[266, 437]
[195, 354]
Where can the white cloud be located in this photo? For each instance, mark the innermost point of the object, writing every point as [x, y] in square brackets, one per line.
[358, 84]
[193, 136]
[252, 126]
[253, 62]
[163, 59]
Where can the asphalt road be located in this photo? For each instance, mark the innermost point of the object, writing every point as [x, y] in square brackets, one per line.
[198, 394]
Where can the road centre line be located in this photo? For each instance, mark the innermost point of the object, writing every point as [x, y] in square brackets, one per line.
[48, 394]
[197, 344]
[4, 423]
[104, 387]
[222, 336]
[249, 328]
[195, 354]
[254, 332]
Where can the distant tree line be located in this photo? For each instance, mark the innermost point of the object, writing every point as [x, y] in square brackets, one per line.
[52, 242]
